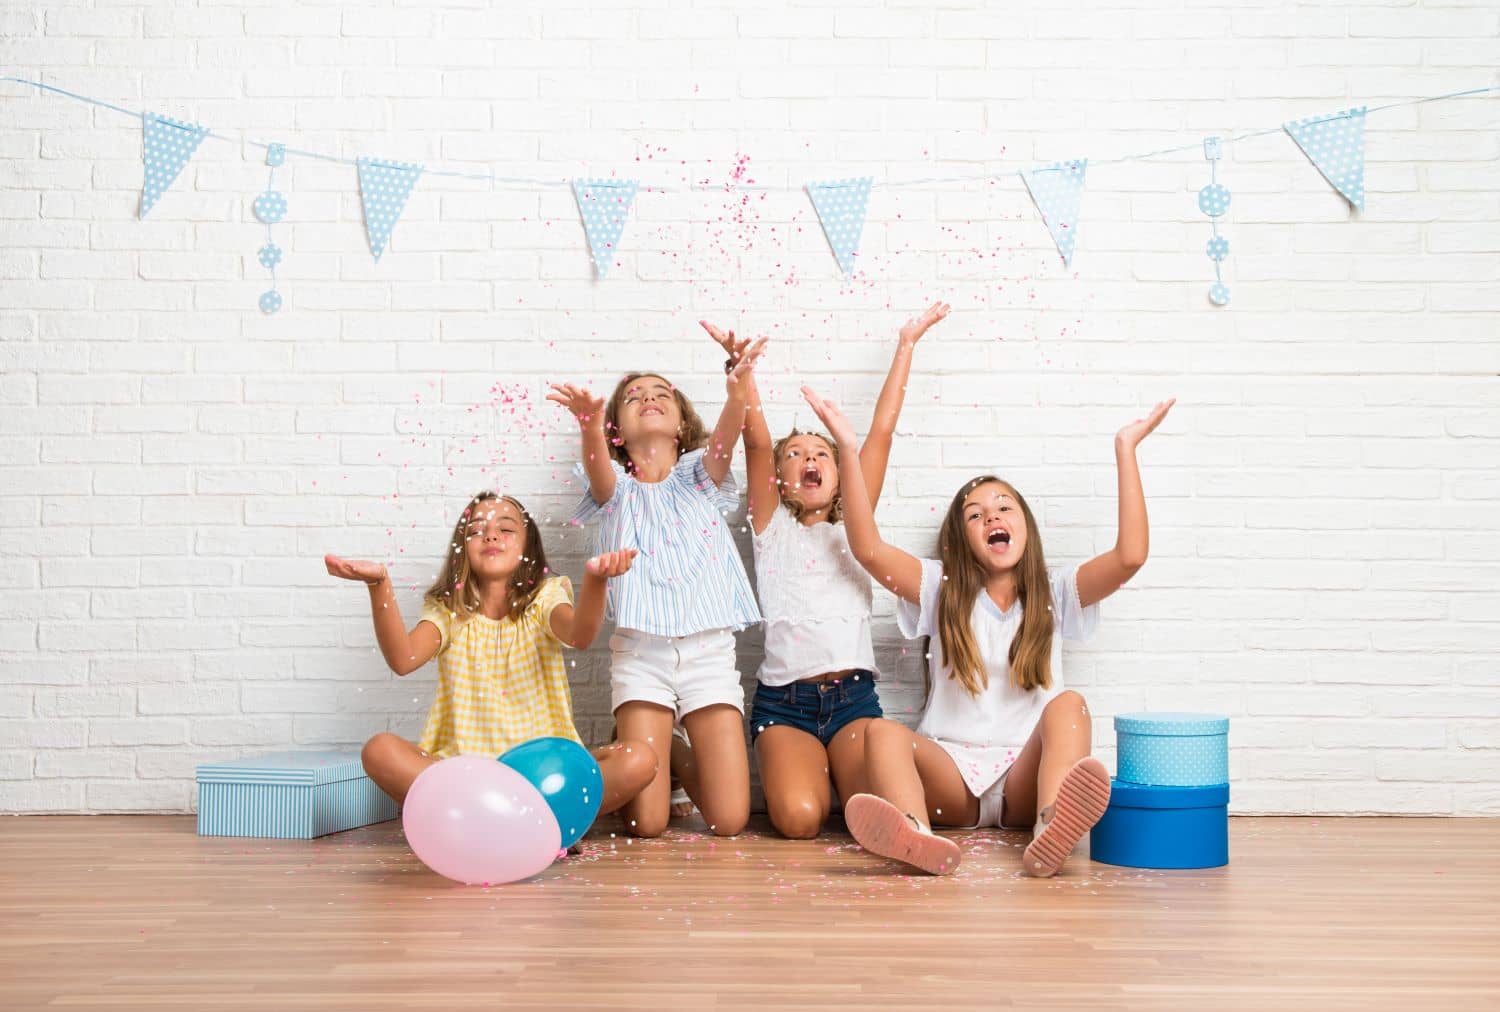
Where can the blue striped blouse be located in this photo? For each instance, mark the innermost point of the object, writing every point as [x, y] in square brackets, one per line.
[688, 576]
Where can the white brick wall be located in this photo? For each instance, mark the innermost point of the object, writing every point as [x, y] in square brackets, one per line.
[175, 465]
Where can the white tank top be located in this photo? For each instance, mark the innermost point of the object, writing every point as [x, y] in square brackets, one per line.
[815, 598]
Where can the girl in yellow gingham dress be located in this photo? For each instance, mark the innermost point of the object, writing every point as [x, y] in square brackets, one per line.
[500, 682]
[496, 621]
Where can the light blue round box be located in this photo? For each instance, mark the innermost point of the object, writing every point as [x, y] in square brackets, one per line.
[1172, 749]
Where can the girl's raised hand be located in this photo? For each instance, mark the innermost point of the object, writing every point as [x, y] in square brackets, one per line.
[1131, 435]
[354, 569]
[746, 364]
[914, 328]
[611, 564]
[829, 414]
[585, 407]
[735, 349]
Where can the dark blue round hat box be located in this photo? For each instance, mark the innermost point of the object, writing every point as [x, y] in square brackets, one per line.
[1163, 827]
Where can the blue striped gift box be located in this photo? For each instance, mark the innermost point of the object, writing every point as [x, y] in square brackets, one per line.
[289, 795]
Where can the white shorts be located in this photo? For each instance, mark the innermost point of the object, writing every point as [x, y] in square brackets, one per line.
[682, 673]
[992, 804]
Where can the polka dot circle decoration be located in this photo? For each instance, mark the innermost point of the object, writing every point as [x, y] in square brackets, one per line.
[841, 205]
[604, 204]
[270, 207]
[1057, 191]
[1213, 200]
[167, 145]
[1335, 144]
[383, 189]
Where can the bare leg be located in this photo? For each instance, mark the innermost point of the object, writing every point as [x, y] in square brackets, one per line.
[913, 781]
[718, 780]
[682, 759]
[393, 763]
[1061, 738]
[627, 767]
[646, 813]
[1056, 785]
[846, 759]
[917, 776]
[794, 774]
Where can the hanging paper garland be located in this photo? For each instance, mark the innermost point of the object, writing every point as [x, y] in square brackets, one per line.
[1213, 200]
[167, 144]
[604, 204]
[269, 208]
[1057, 192]
[383, 189]
[1336, 146]
[841, 205]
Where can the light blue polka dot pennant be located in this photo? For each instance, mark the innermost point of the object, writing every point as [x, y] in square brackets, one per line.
[604, 204]
[1057, 191]
[1336, 145]
[169, 143]
[841, 205]
[383, 188]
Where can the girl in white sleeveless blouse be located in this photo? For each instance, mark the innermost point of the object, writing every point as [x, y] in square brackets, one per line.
[816, 691]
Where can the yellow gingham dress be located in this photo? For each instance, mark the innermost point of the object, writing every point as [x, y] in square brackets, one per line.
[500, 682]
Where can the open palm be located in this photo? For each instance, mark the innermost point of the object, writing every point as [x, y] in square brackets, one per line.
[1131, 435]
[354, 569]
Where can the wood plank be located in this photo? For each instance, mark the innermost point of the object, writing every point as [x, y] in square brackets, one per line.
[138, 912]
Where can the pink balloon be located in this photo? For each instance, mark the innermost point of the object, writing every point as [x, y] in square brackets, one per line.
[479, 822]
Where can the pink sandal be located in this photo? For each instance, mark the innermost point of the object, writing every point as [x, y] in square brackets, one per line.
[882, 828]
[1081, 800]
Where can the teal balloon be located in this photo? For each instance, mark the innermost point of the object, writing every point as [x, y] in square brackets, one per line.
[568, 779]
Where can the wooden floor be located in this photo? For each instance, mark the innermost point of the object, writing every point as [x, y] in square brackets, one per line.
[1311, 914]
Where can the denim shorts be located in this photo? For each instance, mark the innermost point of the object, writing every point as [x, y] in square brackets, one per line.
[819, 708]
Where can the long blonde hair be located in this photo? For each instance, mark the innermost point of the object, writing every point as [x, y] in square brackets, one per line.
[454, 590]
[691, 434]
[963, 582]
[835, 505]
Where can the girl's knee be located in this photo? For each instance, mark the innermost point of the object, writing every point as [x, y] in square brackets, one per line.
[797, 818]
[1068, 702]
[724, 821]
[645, 820]
[379, 750]
[636, 761]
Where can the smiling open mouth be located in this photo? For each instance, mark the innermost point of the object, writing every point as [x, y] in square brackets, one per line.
[811, 478]
[998, 538]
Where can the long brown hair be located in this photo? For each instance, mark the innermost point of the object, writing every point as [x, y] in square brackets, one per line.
[963, 582]
[454, 590]
[835, 505]
[691, 434]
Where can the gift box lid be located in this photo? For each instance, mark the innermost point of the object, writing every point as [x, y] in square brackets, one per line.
[1124, 794]
[1173, 724]
[288, 768]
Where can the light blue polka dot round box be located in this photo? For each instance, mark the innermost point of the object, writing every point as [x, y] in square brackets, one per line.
[1173, 749]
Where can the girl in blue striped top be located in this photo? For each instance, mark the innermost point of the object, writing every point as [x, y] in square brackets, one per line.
[660, 484]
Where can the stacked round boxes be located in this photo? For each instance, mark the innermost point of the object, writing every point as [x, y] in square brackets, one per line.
[1169, 807]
